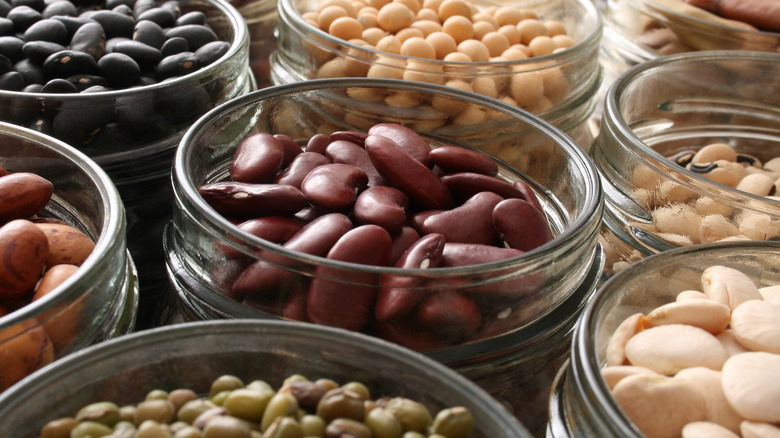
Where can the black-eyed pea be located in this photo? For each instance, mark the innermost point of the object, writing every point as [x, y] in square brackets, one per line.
[751, 385]
[645, 177]
[667, 349]
[710, 383]
[671, 192]
[757, 429]
[675, 239]
[756, 226]
[527, 88]
[708, 315]
[705, 206]
[728, 286]
[659, 406]
[615, 373]
[772, 165]
[714, 152]
[679, 219]
[725, 172]
[756, 325]
[706, 429]
[756, 184]
[715, 227]
[630, 326]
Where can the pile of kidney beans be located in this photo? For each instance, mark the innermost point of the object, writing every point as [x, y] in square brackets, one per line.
[381, 198]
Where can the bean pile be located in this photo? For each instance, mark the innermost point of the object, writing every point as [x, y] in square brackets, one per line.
[299, 408]
[453, 31]
[39, 255]
[704, 365]
[381, 198]
[685, 217]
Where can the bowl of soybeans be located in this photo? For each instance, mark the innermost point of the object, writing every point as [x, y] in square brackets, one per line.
[66, 280]
[681, 343]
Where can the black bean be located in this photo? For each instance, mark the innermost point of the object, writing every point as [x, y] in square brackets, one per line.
[149, 33]
[96, 89]
[38, 51]
[124, 10]
[60, 7]
[194, 17]
[7, 27]
[59, 86]
[67, 63]
[111, 4]
[90, 38]
[174, 45]
[4, 8]
[23, 17]
[32, 72]
[47, 30]
[42, 125]
[84, 81]
[38, 5]
[114, 24]
[76, 123]
[110, 44]
[184, 106]
[71, 23]
[119, 70]
[6, 64]
[146, 56]
[11, 81]
[212, 51]
[111, 135]
[179, 64]
[142, 6]
[195, 35]
[173, 6]
[32, 88]
[163, 17]
[11, 47]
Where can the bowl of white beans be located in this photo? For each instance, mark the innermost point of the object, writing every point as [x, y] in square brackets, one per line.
[688, 152]
[539, 56]
[682, 343]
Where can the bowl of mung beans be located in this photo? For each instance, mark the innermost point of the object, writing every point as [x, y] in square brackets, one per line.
[681, 343]
[247, 378]
[539, 56]
[66, 280]
[688, 153]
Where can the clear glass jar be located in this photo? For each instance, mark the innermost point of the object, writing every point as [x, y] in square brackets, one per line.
[581, 403]
[673, 104]
[133, 133]
[261, 17]
[163, 358]
[571, 76]
[100, 300]
[526, 147]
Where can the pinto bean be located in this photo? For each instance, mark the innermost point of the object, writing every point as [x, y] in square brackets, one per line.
[257, 159]
[22, 195]
[25, 250]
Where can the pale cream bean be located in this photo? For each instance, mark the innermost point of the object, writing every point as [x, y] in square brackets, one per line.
[751, 385]
[475, 50]
[667, 349]
[728, 286]
[771, 294]
[613, 374]
[706, 429]
[691, 295]
[710, 383]
[707, 315]
[443, 43]
[393, 17]
[659, 406]
[715, 227]
[629, 327]
[730, 343]
[756, 429]
[714, 152]
[756, 325]
[459, 27]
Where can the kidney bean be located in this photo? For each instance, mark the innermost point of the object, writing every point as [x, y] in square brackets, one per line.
[276, 229]
[406, 173]
[467, 254]
[410, 334]
[295, 306]
[299, 168]
[464, 185]
[22, 195]
[252, 200]
[330, 301]
[528, 194]
[334, 187]
[418, 219]
[357, 138]
[291, 148]
[382, 205]
[402, 240]
[257, 159]
[453, 159]
[407, 139]
[521, 225]
[399, 294]
[317, 143]
[451, 315]
[346, 152]
[471, 222]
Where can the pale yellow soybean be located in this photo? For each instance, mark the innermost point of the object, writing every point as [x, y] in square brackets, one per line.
[422, 71]
[485, 85]
[393, 17]
[496, 43]
[389, 44]
[370, 22]
[555, 27]
[427, 27]
[432, 4]
[475, 49]
[482, 28]
[428, 14]
[457, 57]
[387, 68]
[357, 63]
[409, 32]
[529, 29]
[312, 17]
[328, 15]
[482, 16]
[511, 33]
[451, 8]
[417, 47]
[563, 41]
[345, 4]
[346, 28]
[413, 5]
[508, 15]
[377, 3]
[443, 43]
[372, 35]
[459, 27]
[542, 45]
[513, 54]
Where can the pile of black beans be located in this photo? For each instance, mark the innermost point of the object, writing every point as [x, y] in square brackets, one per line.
[83, 46]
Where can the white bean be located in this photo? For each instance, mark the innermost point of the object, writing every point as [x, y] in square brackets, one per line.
[751, 385]
[667, 349]
[756, 325]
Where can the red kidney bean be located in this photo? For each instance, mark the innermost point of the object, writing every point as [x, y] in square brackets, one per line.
[399, 294]
[451, 315]
[382, 205]
[402, 240]
[418, 219]
[344, 298]
[404, 172]
[453, 159]
[357, 138]
[467, 254]
[257, 159]
[295, 306]
[528, 194]
[308, 214]
[300, 166]
[347, 152]
[276, 229]
[252, 200]
[291, 148]
[318, 143]
[521, 225]
[410, 334]
[407, 139]
[464, 185]
[334, 187]
[471, 222]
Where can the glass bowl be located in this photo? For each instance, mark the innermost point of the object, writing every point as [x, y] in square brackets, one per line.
[533, 296]
[126, 369]
[560, 87]
[99, 301]
[132, 134]
[261, 18]
[581, 403]
[670, 106]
